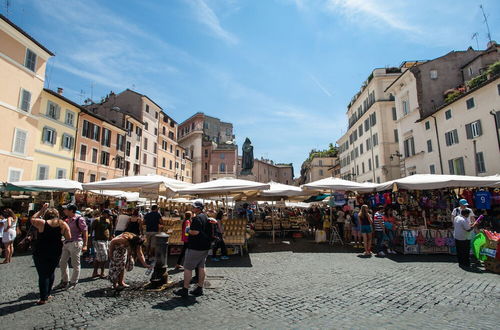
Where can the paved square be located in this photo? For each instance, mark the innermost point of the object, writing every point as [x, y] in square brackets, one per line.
[300, 285]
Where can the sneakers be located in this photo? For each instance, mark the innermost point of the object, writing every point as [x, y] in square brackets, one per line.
[197, 292]
[61, 286]
[182, 292]
[224, 258]
[390, 251]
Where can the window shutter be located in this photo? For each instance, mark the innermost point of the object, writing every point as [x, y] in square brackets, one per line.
[479, 128]
[58, 111]
[450, 164]
[468, 131]
[63, 140]
[447, 138]
[455, 136]
[461, 166]
[412, 141]
[54, 137]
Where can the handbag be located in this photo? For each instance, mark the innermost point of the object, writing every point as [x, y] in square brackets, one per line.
[420, 238]
[429, 241]
[450, 240]
[409, 237]
[439, 239]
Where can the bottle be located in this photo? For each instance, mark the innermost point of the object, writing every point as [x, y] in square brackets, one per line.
[150, 270]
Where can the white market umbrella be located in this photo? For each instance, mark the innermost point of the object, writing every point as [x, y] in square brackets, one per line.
[333, 184]
[136, 183]
[282, 190]
[439, 181]
[223, 186]
[45, 185]
[129, 196]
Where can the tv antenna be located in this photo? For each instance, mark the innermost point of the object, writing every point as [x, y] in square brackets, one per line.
[486, 22]
[474, 36]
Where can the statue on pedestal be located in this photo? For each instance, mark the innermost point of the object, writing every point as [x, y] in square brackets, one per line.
[247, 158]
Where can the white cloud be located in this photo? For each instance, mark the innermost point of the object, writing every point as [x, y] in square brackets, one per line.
[207, 17]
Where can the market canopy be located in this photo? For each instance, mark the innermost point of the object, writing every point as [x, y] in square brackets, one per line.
[439, 181]
[129, 196]
[339, 184]
[137, 183]
[44, 185]
[282, 190]
[223, 186]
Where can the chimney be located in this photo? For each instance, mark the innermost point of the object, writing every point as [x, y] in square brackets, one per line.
[60, 90]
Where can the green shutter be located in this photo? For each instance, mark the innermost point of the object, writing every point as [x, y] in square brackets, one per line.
[468, 131]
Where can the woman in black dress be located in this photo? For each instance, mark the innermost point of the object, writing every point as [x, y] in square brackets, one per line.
[48, 247]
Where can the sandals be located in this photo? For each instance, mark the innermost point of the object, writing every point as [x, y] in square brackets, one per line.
[41, 302]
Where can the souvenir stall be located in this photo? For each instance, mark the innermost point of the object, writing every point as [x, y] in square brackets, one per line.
[486, 249]
[422, 204]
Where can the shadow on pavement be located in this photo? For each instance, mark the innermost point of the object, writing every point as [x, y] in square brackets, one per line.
[16, 308]
[300, 245]
[234, 261]
[29, 296]
[422, 258]
[176, 302]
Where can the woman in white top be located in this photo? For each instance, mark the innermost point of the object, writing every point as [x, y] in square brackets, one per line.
[9, 234]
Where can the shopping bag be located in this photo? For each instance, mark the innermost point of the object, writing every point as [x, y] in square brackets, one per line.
[320, 236]
[450, 240]
[409, 237]
[439, 239]
[420, 238]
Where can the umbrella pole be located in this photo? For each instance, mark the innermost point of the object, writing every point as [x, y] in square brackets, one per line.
[272, 219]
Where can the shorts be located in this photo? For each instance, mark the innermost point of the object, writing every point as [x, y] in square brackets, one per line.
[195, 259]
[355, 229]
[9, 235]
[150, 239]
[367, 229]
[101, 250]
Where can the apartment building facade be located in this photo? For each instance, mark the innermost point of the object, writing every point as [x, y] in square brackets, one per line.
[318, 168]
[23, 60]
[55, 137]
[366, 150]
[209, 143]
[265, 170]
[419, 93]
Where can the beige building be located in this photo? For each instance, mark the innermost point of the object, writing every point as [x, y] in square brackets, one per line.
[430, 135]
[366, 150]
[318, 168]
[55, 137]
[265, 170]
[22, 75]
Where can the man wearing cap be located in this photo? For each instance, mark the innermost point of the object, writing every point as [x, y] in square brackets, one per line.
[197, 252]
[462, 205]
[73, 247]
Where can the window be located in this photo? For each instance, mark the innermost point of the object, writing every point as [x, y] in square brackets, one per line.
[171, 135]
[394, 114]
[85, 129]
[53, 110]
[137, 152]
[92, 177]
[145, 143]
[177, 153]
[144, 159]
[451, 137]
[81, 177]
[498, 88]
[164, 162]
[433, 74]
[94, 155]
[164, 131]
[43, 172]
[361, 148]
[156, 131]
[119, 162]
[155, 148]
[357, 170]
[96, 132]
[146, 125]
[136, 169]
[470, 71]
[360, 130]
[481, 167]
[223, 167]
[376, 161]
[368, 144]
[206, 152]
[106, 137]
[68, 142]
[49, 135]
[61, 173]
[105, 158]
[103, 178]
[367, 124]
[127, 149]
[154, 161]
[369, 164]
[70, 118]
[396, 136]
[120, 142]
[156, 115]
[375, 139]
[470, 103]
[19, 145]
[15, 174]
[171, 148]
[406, 107]
[432, 169]
[373, 119]
[206, 166]
[321, 172]
[427, 125]
[164, 145]
[25, 100]
[83, 152]
[447, 114]
[170, 164]
[30, 60]
[363, 167]
[378, 179]
[409, 147]
[429, 145]
[456, 166]
[222, 156]
[147, 108]
[473, 130]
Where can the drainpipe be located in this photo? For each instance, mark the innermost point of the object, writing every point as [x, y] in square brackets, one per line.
[494, 114]
[475, 156]
[439, 145]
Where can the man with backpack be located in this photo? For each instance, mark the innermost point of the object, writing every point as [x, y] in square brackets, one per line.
[200, 240]
[73, 247]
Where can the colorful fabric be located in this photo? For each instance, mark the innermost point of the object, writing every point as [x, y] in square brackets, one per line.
[117, 263]
[482, 200]
[101, 250]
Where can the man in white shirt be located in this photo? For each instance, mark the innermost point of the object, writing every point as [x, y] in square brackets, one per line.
[121, 222]
[461, 232]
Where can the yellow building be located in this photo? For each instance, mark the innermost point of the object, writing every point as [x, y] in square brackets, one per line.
[55, 138]
[22, 74]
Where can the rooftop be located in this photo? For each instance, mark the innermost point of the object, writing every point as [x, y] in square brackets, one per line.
[8, 21]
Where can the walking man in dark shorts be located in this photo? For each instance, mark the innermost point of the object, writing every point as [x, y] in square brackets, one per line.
[197, 252]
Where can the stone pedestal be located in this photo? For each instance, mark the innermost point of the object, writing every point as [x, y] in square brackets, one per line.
[160, 274]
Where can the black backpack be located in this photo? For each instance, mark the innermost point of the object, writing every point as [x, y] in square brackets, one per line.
[213, 230]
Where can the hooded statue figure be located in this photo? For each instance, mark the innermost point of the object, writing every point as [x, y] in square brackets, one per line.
[247, 158]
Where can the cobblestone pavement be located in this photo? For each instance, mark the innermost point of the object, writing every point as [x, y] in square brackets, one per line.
[300, 285]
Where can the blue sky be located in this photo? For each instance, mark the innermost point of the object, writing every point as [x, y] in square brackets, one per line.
[282, 71]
